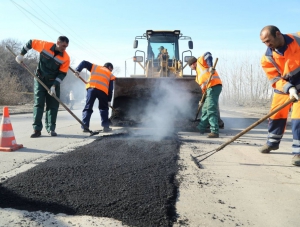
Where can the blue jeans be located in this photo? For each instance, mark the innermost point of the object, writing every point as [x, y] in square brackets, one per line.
[92, 94]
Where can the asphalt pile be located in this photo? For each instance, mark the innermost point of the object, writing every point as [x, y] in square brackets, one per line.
[131, 179]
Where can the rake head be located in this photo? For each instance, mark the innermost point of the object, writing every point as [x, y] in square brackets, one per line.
[194, 159]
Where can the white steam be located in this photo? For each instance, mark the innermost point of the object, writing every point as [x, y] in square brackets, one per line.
[170, 107]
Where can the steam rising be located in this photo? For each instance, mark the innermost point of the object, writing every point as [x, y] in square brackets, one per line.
[170, 107]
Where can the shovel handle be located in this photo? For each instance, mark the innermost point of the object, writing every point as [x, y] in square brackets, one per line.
[79, 76]
[48, 90]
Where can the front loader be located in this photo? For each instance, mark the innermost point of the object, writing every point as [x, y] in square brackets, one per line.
[161, 90]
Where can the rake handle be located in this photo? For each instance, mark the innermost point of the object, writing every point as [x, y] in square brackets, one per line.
[245, 130]
[256, 123]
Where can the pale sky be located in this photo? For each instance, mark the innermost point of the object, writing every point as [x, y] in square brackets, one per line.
[103, 31]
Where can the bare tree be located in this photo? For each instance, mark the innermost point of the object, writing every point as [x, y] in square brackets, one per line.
[16, 83]
[244, 82]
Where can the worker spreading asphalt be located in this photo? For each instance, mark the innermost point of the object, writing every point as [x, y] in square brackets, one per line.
[131, 179]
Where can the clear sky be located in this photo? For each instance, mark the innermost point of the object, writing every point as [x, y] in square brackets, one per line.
[103, 31]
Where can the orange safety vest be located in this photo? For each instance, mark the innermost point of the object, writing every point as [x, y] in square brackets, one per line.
[100, 78]
[203, 75]
[279, 69]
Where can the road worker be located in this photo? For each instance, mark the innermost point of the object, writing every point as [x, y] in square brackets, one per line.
[51, 70]
[204, 68]
[100, 86]
[282, 67]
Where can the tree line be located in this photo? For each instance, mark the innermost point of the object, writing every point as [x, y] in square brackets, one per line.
[244, 82]
[16, 85]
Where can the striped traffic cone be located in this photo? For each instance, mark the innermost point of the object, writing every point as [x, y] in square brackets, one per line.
[7, 137]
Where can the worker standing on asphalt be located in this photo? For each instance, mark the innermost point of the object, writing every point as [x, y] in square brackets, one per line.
[52, 68]
[203, 66]
[100, 86]
[281, 63]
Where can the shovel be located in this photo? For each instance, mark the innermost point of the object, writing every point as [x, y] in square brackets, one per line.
[204, 94]
[54, 96]
[197, 162]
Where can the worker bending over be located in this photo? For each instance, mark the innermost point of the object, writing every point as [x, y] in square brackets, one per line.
[100, 86]
[210, 115]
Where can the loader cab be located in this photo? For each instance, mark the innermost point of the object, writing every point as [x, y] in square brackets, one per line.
[156, 40]
[139, 97]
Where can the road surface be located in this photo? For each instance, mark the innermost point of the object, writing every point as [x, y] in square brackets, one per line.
[237, 187]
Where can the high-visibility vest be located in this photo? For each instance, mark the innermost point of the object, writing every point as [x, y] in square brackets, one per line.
[203, 75]
[100, 78]
[50, 66]
[283, 70]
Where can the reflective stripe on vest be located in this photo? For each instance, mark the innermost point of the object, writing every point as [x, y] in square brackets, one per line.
[203, 75]
[280, 75]
[99, 78]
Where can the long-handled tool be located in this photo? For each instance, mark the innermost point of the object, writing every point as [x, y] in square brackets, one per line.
[54, 96]
[78, 76]
[204, 94]
[197, 162]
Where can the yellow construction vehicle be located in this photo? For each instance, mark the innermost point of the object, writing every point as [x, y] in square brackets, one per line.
[162, 92]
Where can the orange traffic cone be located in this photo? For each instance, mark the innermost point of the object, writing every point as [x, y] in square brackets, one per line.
[7, 137]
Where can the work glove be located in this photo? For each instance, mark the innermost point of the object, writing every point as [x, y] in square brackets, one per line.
[52, 91]
[77, 74]
[202, 87]
[212, 70]
[19, 58]
[109, 103]
[293, 93]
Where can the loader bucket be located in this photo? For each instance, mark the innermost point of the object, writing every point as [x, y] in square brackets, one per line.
[155, 102]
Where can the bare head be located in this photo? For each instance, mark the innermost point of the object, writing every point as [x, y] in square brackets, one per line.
[62, 43]
[272, 37]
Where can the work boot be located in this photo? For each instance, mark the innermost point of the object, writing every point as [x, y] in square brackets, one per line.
[266, 148]
[296, 160]
[213, 135]
[36, 134]
[221, 125]
[52, 133]
[107, 129]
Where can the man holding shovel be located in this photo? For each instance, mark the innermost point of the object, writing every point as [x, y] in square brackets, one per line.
[210, 115]
[282, 67]
[99, 86]
[51, 70]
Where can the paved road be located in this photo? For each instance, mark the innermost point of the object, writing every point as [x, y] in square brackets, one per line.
[237, 187]
[38, 149]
